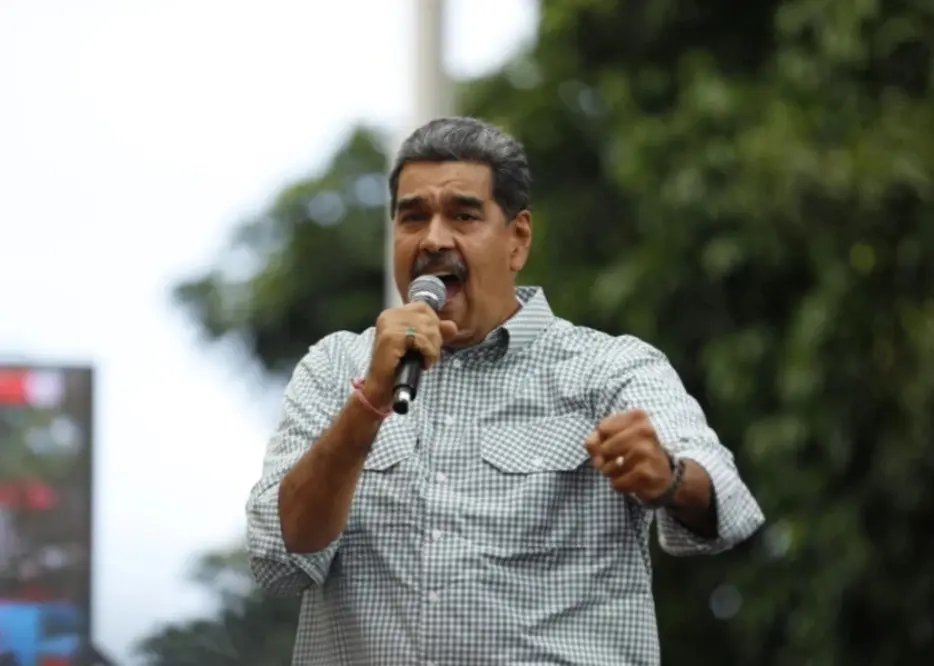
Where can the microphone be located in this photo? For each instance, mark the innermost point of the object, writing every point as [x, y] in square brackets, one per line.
[426, 289]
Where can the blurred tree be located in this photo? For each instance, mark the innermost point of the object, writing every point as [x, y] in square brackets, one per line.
[747, 186]
[314, 259]
[248, 630]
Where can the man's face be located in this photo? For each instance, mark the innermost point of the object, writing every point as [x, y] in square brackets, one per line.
[447, 224]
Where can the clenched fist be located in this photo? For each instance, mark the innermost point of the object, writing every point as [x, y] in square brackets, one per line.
[398, 330]
[626, 450]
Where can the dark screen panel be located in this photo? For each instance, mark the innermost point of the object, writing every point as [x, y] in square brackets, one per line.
[45, 514]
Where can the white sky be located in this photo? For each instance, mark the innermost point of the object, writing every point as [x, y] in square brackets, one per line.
[134, 134]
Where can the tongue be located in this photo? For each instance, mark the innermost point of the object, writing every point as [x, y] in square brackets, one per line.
[453, 286]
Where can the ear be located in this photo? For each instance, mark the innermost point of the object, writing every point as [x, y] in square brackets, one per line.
[521, 240]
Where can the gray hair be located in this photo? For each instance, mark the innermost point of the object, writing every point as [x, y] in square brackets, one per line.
[470, 140]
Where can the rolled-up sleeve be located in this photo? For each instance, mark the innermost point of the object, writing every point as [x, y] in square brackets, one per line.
[642, 378]
[312, 400]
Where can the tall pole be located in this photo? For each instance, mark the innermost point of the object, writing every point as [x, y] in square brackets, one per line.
[433, 99]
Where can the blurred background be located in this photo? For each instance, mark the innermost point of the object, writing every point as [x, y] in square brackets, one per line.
[193, 193]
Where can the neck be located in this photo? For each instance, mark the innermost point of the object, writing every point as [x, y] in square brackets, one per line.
[510, 311]
[503, 314]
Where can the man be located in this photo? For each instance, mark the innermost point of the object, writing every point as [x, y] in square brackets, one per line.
[505, 519]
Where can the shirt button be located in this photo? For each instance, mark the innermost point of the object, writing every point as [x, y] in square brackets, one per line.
[442, 477]
[433, 597]
[448, 420]
[537, 462]
[435, 535]
[457, 363]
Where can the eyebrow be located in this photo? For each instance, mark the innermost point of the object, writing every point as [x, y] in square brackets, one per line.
[466, 201]
[408, 203]
[460, 200]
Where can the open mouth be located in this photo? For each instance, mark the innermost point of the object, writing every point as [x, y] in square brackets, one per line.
[452, 283]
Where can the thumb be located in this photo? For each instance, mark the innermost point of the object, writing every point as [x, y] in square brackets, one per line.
[448, 330]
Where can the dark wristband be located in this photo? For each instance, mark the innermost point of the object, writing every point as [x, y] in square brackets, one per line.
[667, 498]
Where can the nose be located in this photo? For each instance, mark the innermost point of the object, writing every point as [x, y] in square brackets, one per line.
[438, 236]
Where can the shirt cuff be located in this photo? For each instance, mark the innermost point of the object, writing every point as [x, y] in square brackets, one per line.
[738, 513]
[275, 569]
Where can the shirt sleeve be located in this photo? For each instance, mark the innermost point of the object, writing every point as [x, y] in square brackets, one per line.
[312, 400]
[642, 378]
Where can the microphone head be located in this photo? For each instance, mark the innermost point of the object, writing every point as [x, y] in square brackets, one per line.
[428, 289]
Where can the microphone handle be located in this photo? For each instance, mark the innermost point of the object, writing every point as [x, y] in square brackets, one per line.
[408, 375]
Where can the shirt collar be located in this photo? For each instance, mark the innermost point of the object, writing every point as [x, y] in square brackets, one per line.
[532, 318]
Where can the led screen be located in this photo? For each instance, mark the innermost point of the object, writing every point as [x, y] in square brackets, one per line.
[45, 515]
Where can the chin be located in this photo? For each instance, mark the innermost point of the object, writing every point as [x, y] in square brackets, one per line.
[461, 341]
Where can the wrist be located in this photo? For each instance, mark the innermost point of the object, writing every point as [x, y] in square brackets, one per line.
[371, 399]
[695, 505]
[668, 497]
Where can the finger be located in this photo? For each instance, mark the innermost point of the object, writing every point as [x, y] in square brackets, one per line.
[418, 320]
[419, 341]
[419, 307]
[635, 440]
[628, 446]
[613, 424]
[592, 442]
[627, 483]
[615, 466]
[636, 480]
[619, 444]
[621, 421]
[429, 323]
[432, 333]
[427, 315]
[386, 321]
[592, 445]
[430, 350]
[448, 329]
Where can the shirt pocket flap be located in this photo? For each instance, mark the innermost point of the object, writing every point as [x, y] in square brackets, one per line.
[394, 443]
[552, 444]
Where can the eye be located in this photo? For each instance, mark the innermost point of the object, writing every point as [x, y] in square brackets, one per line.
[409, 218]
[465, 217]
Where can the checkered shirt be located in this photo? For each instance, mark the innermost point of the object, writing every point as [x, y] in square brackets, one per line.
[479, 533]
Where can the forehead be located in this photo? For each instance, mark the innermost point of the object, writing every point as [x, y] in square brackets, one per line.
[433, 179]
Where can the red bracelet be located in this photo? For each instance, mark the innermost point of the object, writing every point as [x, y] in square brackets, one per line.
[358, 391]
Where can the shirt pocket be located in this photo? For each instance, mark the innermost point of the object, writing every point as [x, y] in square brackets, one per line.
[531, 488]
[383, 498]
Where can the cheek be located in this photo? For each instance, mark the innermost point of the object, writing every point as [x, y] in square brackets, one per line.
[402, 257]
[489, 262]
[497, 265]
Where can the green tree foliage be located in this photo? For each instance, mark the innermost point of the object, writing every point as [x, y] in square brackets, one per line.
[248, 630]
[748, 186]
[313, 260]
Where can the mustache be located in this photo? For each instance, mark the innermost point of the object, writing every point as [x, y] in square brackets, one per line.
[440, 263]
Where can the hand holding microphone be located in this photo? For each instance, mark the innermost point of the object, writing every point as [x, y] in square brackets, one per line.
[408, 340]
